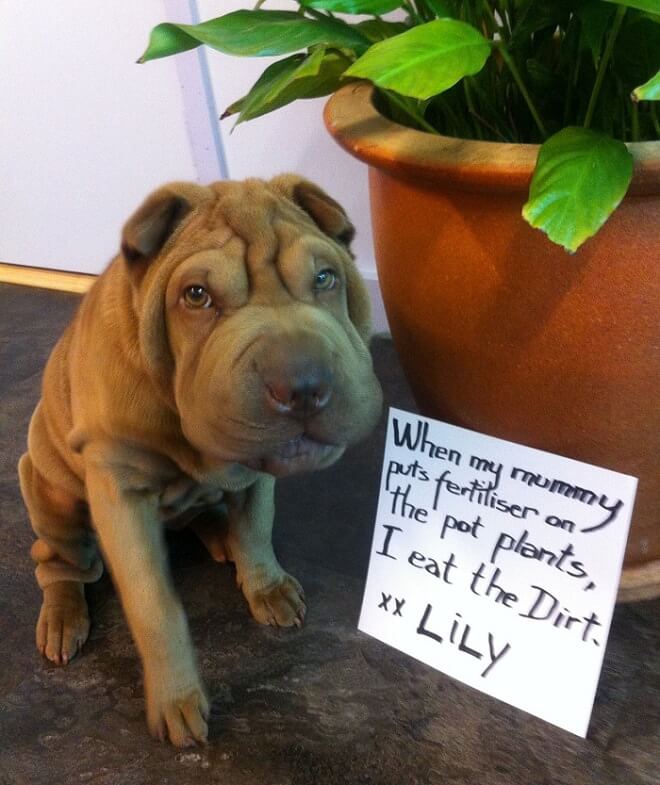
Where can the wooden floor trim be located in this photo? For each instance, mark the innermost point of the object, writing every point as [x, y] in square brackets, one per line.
[42, 278]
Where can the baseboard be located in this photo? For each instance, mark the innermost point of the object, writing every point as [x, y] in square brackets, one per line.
[42, 278]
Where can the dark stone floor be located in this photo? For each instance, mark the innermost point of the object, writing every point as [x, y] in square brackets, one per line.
[323, 706]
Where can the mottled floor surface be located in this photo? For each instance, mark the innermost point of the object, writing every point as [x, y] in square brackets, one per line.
[320, 706]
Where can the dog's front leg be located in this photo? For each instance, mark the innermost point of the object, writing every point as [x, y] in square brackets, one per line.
[274, 596]
[132, 540]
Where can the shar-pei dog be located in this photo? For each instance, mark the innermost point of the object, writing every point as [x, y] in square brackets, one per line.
[225, 346]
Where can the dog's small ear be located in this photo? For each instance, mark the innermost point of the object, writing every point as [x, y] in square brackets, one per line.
[153, 223]
[326, 213]
[331, 218]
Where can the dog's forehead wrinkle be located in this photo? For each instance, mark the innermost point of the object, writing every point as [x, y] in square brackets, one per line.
[220, 234]
[247, 207]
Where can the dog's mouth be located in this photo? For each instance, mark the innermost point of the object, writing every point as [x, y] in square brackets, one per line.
[301, 454]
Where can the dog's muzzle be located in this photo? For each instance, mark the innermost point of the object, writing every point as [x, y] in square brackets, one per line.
[296, 372]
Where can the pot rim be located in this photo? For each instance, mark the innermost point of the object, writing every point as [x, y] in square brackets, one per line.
[353, 120]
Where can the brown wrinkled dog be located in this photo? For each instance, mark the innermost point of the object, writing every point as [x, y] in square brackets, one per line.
[226, 345]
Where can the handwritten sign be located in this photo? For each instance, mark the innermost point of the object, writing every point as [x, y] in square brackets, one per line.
[497, 564]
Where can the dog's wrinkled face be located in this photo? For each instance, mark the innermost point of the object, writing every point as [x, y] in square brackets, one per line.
[249, 300]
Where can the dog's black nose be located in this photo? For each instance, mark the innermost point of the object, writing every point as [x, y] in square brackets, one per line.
[297, 378]
[301, 391]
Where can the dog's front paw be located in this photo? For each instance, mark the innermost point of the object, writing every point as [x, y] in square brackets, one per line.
[63, 624]
[178, 714]
[280, 604]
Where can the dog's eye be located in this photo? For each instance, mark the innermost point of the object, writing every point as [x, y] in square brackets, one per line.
[197, 297]
[325, 280]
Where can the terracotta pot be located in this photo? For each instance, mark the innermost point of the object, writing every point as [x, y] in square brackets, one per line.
[501, 331]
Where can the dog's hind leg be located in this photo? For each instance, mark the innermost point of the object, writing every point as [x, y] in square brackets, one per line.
[66, 556]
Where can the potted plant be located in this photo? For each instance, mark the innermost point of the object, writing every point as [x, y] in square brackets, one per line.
[483, 123]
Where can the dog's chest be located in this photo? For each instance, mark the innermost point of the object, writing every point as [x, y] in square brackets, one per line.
[184, 497]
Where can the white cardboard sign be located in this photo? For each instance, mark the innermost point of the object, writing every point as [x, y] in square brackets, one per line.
[497, 564]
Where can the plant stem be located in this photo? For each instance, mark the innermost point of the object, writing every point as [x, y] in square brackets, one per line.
[470, 102]
[451, 118]
[491, 127]
[635, 121]
[521, 86]
[654, 120]
[411, 11]
[398, 101]
[313, 12]
[570, 48]
[490, 110]
[258, 5]
[602, 66]
[505, 13]
[424, 11]
[623, 103]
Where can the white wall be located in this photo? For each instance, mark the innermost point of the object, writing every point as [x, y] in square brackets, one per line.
[85, 133]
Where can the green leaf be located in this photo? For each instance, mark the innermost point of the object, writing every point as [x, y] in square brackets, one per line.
[580, 177]
[649, 91]
[652, 6]
[295, 77]
[379, 29]
[373, 7]
[594, 18]
[167, 39]
[426, 60]
[254, 33]
[439, 7]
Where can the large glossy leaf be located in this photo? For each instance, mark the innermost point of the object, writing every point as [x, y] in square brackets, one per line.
[649, 91]
[580, 178]
[652, 6]
[426, 60]
[373, 7]
[295, 77]
[254, 33]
